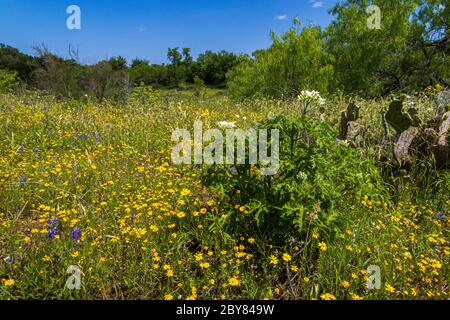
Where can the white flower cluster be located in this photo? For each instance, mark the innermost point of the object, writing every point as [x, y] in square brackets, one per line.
[311, 96]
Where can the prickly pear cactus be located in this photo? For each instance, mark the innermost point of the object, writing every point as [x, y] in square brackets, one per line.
[397, 119]
[403, 144]
[352, 114]
[442, 149]
[412, 112]
[444, 131]
[443, 102]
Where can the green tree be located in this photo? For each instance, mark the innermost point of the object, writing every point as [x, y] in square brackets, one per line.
[212, 67]
[58, 76]
[13, 60]
[433, 19]
[406, 53]
[140, 71]
[187, 58]
[176, 70]
[199, 86]
[118, 63]
[174, 56]
[296, 61]
[7, 80]
[106, 83]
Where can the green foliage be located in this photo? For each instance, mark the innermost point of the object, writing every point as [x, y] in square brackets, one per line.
[199, 86]
[7, 80]
[316, 177]
[142, 95]
[213, 67]
[407, 53]
[58, 76]
[105, 82]
[110, 79]
[14, 61]
[143, 71]
[210, 67]
[295, 61]
[66, 78]
[118, 63]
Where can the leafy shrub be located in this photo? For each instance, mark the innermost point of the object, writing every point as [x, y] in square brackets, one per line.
[7, 80]
[199, 86]
[295, 61]
[142, 95]
[316, 181]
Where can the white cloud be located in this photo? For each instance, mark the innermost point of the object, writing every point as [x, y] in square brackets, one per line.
[282, 17]
[317, 4]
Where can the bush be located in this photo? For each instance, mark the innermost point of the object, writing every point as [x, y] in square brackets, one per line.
[317, 181]
[7, 80]
[199, 86]
[296, 61]
[142, 95]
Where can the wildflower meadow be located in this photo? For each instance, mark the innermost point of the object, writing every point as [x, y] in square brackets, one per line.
[93, 186]
[225, 150]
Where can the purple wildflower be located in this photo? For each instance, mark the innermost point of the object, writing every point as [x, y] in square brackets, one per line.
[84, 136]
[52, 221]
[97, 137]
[76, 234]
[20, 149]
[53, 232]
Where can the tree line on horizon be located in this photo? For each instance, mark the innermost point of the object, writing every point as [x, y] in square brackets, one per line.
[114, 77]
[409, 52]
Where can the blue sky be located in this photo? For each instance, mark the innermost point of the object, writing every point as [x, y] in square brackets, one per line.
[146, 28]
